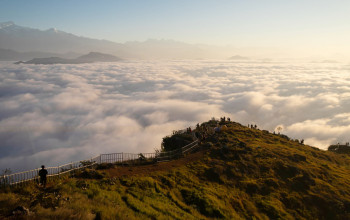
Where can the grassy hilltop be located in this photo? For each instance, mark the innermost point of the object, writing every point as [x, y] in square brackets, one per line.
[239, 173]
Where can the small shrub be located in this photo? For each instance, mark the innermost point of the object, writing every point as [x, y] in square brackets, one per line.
[214, 174]
[202, 203]
[341, 149]
[104, 166]
[269, 209]
[86, 163]
[285, 170]
[90, 174]
[297, 158]
[82, 184]
[302, 183]
[176, 141]
[168, 182]
[250, 186]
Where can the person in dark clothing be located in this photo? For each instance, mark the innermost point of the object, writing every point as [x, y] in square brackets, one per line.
[43, 174]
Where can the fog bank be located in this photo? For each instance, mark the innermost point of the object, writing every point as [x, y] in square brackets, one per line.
[52, 114]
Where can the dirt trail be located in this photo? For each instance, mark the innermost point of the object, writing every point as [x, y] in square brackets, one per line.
[142, 170]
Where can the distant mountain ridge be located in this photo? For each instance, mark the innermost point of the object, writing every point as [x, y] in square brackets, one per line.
[24, 39]
[12, 55]
[88, 58]
[98, 57]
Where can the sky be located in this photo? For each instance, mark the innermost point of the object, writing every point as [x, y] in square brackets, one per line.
[303, 26]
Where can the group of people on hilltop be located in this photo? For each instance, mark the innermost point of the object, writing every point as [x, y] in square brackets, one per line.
[202, 132]
[223, 119]
[346, 144]
[253, 126]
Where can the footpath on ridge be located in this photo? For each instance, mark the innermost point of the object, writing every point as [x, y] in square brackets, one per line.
[141, 170]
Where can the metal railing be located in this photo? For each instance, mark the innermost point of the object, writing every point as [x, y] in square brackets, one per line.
[125, 157]
[162, 156]
[130, 158]
[25, 176]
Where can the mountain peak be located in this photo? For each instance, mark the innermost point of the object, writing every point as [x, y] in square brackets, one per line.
[52, 30]
[6, 24]
[88, 58]
[99, 57]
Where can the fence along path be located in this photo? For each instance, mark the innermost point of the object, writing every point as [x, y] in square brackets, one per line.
[129, 158]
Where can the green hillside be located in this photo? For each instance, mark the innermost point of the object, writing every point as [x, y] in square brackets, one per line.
[239, 173]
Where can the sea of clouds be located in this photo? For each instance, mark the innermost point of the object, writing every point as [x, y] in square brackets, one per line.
[53, 114]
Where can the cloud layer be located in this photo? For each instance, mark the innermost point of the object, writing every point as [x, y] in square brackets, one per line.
[52, 114]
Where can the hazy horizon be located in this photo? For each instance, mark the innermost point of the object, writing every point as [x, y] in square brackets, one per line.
[212, 51]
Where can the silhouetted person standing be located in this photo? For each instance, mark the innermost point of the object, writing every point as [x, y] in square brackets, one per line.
[43, 174]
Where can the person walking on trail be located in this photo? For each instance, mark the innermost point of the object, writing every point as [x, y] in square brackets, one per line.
[43, 174]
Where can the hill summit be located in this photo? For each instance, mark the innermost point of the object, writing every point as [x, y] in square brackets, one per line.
[88, 58]
[235, 173]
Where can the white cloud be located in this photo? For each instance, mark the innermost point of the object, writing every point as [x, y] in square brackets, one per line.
[54, 114]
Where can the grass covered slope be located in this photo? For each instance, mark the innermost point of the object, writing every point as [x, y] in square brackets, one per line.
[240, 173]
